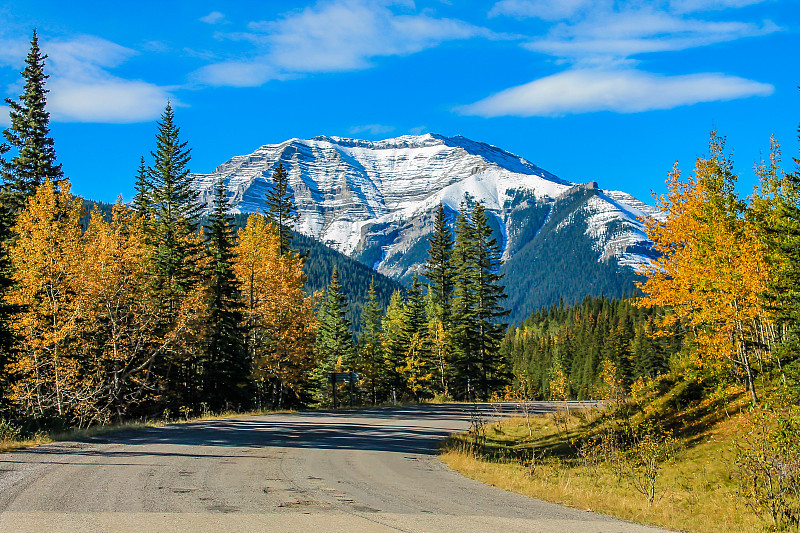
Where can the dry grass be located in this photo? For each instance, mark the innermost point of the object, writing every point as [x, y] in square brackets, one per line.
[697, 490]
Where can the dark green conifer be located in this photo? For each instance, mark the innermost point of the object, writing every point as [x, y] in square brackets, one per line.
[172, 233]
[28, 137]
[280, 207]
[463, 312]
[225, 368]
[438, 265]
[176, 209]
[414, 309]
[370, 349]
[334, 339]
[143, 200]
[32, 161]
[489, 309]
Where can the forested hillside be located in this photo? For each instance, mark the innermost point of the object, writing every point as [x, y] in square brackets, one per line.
[581, 341]
[558, 260]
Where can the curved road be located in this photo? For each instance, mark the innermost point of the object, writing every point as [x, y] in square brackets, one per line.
[368, 470]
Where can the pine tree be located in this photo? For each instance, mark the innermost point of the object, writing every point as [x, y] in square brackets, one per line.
[32, 163]
[394, 345]
[225, 369]
[280, 207]
[417, 368]
[29, 136]
[464, 316]
[177, 253]
[143, 201]
[776, 210]
[438, 266]
[177, 211]
[370, 350]
[489, 310]
[334, 338]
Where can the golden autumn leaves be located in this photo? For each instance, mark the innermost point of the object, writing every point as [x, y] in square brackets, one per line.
[713, 269]
[88, 315]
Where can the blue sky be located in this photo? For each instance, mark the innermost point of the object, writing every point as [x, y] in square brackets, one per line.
[613, 91]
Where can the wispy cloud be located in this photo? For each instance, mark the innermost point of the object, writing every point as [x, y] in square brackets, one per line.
[214, 17]
[333, 36]
[624, 34]
[417, 130]
[622, 91]
[372, 129]
[543, 9]
[5, 119]
[83, 89]
[691, 6]
[603, 41]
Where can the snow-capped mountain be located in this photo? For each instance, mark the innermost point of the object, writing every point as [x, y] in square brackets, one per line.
[375, 201]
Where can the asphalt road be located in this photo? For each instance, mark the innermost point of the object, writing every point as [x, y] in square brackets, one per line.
[370, 470]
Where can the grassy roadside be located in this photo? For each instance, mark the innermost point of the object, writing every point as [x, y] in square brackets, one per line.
[545, 457]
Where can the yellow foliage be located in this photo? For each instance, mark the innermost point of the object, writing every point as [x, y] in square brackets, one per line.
[279, 315]
[46, 258]
[712, 269]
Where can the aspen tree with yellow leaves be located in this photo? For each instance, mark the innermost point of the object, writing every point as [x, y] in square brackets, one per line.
[712, 269]
[279, 316]
[45, 257]
[118, 316]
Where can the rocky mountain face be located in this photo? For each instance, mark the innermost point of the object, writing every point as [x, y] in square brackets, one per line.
[375, 201]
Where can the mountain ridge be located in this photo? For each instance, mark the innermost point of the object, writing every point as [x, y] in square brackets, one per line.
[374, 200]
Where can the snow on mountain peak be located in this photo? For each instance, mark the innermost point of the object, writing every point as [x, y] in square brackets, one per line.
[374, 199]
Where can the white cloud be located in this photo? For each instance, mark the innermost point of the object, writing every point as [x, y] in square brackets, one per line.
[543, 9]
[333, 36]
[624, 34]
[417, 130]
[602, 41]
[236, 74]
[110, 100]
[213, 18]
[82, 88]
[692, 6]
[372, 129]
[625, 91]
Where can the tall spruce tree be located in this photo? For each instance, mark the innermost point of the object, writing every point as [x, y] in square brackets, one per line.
[225, 368]
[489, 310]
[370, 349]
[464, 363]
[438, 266]
[414, 310]
[143, 201]
[28, 137]
[394, 345]
[280, 207]
[177, 212]
[334, 339]
[781, 227]
[176, 252]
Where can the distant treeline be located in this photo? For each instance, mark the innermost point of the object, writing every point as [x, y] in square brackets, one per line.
[577, 339]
